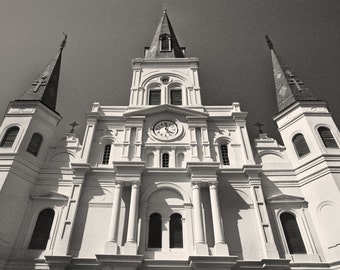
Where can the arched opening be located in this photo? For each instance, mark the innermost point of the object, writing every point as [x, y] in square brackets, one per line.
[292, 234]
[42, 230]
[224, 154]
[327, 137]
[165, 160]
[176, 231]
[35, 143]
[300, 145]
[155, 231]
[9, 137]
[106, 154]
[165, 43]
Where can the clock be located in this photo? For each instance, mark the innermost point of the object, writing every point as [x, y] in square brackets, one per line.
[165, 129]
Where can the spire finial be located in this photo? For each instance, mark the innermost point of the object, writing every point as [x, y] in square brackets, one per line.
[63, 43]
[269, 42]
[164, 7]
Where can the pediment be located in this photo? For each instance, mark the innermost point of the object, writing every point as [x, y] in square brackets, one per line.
[165, 108]
[51, 195]
[284, 198]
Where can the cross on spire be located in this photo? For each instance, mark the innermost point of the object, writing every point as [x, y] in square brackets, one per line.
[293, 81]
[73, 125]
[259, 125]
[40, 82]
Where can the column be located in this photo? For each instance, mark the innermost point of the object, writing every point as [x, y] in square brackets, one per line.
[111, 245]
[205, 144]
[126, 143]
[193, 144]
[220, 246]
[130, 247]
[165, 233]
[200, 244]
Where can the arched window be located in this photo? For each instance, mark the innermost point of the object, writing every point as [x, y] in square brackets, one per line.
[154, 96]
[9, 137]
[176, 96]
[176, 231]
[165, 160]
[155, 231]
[42, 230]
[106, 154]
[300, 145]
[327, 137]
[224, 154]
[165, 43]
[35, 143]
[292, 234]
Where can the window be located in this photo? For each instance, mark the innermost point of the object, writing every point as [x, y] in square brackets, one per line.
[176, 234]
[42, 230]
[165, 160]
[35, 143]
[9, 137]
[292, 234]
[300, 145]
[165, 43]
[155, 231]
[327, 137]
[176, 96]
[224, 154]
[155, 97]
[106, 154]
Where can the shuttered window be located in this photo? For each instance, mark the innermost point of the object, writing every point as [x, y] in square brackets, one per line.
[300, 145]
[292, 234]
[155, 97]
[155, 231]
[224, 154]
[165, 43]
[106, 154]
[176, 96]
[327, 137]
[35, 143]
[165, 160]
[9, 137]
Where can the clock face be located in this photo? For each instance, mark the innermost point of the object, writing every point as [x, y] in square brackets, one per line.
[165, 129]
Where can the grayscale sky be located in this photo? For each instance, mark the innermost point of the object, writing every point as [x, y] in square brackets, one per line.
[227, 36]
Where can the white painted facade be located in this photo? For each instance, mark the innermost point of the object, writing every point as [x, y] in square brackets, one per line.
[230, 213]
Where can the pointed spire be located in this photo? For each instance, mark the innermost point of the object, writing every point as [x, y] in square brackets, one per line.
[164, 43]
[45, 88]
[289, 88]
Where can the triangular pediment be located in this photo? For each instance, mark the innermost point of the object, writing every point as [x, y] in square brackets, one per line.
[51, 195]
[165, 108]
[284, 198]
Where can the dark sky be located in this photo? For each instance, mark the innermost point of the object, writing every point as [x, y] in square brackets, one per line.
[227, 36]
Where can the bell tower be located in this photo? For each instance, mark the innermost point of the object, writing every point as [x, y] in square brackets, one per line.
[312, 141]
[165, 75]
[25, 136]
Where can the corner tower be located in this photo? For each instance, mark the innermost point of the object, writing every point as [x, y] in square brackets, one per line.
[312, 141]
[25, 136]
[165, 75]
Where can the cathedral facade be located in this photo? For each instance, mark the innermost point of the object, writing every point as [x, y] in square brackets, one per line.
[166, 182]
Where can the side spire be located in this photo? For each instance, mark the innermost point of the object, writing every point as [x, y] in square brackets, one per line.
[289, 88]
[45, 87]
[164, 43]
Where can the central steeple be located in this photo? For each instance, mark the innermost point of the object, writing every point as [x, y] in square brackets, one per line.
[164, 43]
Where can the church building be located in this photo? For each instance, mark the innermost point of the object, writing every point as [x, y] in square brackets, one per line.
[166, 182]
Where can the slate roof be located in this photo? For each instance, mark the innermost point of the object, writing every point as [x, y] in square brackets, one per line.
[164, 28]
[45, 87]
[289, 88]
